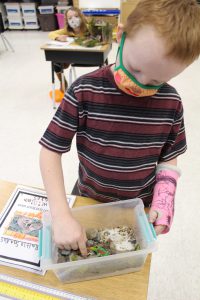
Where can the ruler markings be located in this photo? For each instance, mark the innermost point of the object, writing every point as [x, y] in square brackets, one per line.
[14, 287]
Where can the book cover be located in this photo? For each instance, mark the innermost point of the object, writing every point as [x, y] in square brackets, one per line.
[20, 223]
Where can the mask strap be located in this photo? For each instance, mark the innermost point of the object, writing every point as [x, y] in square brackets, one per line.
[120, 49]
[121, 66]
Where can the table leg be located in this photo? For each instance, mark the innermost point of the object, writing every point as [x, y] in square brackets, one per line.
[62, 78]
[53, 85]
[70, 75]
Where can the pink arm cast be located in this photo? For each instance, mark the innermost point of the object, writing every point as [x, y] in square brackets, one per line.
[164, 194]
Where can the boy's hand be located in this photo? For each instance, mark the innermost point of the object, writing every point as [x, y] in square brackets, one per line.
[61, 38]
[153, 215]
[69, 234]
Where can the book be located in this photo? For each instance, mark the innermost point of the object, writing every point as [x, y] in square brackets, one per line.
[20, 223]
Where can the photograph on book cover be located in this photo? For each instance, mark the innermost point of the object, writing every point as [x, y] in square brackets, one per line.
[20, 223]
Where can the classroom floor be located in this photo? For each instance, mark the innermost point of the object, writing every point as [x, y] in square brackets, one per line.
[26, 109]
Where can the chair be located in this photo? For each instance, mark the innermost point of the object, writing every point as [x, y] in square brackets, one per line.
[4, 39]
[72, 70]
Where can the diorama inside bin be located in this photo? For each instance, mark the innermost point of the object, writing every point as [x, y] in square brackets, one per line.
[128, 212]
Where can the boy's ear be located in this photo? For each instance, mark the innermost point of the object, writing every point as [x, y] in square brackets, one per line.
[120, 30]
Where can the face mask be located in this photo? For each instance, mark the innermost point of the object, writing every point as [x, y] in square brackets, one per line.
[127, 82]
[74, 22]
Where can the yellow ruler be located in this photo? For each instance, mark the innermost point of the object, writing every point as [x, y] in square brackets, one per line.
[18, 292]
[14, 288]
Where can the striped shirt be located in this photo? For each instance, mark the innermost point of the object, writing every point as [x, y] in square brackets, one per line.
[120, 138]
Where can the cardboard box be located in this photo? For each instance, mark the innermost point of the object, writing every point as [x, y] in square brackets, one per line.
[76, 3]
[127, 6]
[113, 20]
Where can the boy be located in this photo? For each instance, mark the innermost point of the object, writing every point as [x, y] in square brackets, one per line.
[127, 119]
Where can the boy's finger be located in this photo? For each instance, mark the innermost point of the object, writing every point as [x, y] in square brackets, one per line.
[67, 247]
[74, 246]
[82, 248]
[85, 236]
[61, 247]
[153, 215]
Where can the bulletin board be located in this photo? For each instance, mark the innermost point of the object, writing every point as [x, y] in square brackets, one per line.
[99, 4]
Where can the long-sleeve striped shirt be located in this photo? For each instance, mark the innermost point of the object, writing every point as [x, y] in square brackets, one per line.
[120, 138]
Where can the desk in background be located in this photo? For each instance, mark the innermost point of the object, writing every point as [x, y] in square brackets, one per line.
[132, 286]
[75, 55]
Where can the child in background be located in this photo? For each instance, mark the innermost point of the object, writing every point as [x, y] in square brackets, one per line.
[75, 26]
[127, 119]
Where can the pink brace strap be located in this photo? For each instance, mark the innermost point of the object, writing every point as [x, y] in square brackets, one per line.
[164, 194]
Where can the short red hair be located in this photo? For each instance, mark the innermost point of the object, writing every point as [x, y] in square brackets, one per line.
[177, 21]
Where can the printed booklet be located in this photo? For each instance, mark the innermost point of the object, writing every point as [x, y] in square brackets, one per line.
[20, 223]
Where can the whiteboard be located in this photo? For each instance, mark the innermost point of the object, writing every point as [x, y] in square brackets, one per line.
[99, 4]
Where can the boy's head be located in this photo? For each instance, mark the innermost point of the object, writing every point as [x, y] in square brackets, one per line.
[162, 39]
[177, 22]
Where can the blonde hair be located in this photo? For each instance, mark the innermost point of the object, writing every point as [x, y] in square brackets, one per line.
[177, 21]
[83, 27]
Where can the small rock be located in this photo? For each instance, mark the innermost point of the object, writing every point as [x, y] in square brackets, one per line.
[65, 252]
[92, 234]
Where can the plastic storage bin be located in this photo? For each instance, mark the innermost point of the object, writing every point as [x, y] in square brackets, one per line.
[62, 9]
[13, 9]
[31, 22]
[28, 9]
[127, 212]
[48, 22]
[15, 22]
[61, 20]
[46, 9]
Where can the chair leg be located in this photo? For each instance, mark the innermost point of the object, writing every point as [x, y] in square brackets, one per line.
[5, 41]
[53, 85]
